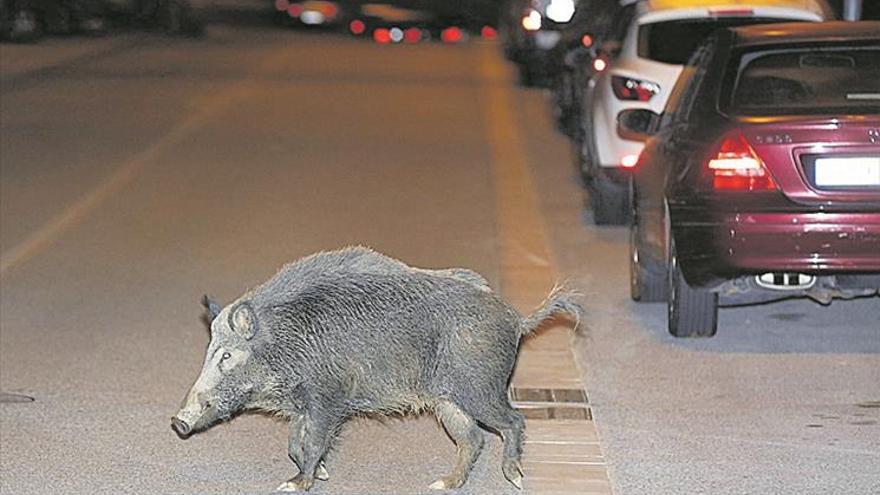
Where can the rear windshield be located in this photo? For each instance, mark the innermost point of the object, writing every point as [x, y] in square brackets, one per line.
[808, 80]
[673, 42]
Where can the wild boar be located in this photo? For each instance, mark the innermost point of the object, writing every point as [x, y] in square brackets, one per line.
[355, 332]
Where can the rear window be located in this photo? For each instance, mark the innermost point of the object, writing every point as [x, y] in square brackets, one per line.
[808, 80]
[673, 42]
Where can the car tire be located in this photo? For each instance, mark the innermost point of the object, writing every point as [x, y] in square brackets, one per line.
[647, 276]
[693, 312]
[610, 202]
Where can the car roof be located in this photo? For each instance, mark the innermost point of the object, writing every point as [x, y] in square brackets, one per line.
[661, 10]
[807, 32]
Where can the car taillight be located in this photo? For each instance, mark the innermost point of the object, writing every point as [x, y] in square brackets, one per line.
[382, 36]
[412, 35]
[357, 27]
[629, 161]
[736, 167]
[451, 35]
[294, 10]
[627, 88]
[586, 41]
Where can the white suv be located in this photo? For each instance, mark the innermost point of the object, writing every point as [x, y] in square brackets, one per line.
[660, 39]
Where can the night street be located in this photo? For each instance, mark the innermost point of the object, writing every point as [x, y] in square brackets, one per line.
[140, 172]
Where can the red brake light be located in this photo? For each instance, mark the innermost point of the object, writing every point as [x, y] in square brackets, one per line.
[357, 27]
[451, 35]
[627, 88]
[412, 35]
[629, 161]
[294, 10]
[586, 41]
[488, 32]
[736, 167]
[382, 36]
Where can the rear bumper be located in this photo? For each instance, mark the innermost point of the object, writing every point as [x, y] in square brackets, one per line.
[722, 246]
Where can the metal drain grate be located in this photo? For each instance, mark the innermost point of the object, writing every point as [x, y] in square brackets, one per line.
[552, 403]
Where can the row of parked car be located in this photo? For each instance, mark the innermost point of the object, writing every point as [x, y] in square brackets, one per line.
[30, 20]
[739, 140]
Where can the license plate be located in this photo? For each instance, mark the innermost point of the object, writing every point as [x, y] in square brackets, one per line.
[848, 172]
[547, 39]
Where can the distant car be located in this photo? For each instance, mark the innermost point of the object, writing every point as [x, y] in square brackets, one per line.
[762, 178]
[659, 40]
[387, 23]
[596, 30]
[323, 13]
[530, 30]
[28, 20]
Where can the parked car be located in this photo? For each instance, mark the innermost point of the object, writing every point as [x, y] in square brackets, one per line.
[531, 29]
[28, 20]
[659, 40]
[762, 178]
[596, 31]
[323, 13]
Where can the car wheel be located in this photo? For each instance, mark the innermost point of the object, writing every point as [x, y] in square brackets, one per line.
[693, 312]
[610, 202]
[647, 276]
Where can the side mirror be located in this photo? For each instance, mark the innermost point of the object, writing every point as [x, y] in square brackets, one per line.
[637, 124]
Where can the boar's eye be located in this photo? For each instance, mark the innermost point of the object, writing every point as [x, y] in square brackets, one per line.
[225, 356]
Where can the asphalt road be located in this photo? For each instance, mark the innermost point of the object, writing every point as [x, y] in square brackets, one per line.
[140, 172]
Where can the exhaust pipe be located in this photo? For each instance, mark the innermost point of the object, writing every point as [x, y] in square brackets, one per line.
[785, 281]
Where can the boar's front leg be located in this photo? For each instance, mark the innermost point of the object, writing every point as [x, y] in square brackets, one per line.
[294, 446]
[308, 442]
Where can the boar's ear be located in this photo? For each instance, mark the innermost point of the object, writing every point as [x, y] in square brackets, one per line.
[243, 320]
[212, 306]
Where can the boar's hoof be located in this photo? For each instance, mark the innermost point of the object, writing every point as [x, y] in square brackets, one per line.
[513, 471]
[321, 472]
[298, 483]
[447, 483]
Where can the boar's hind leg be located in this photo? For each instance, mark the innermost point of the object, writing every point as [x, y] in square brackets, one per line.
[499, 415]
[311, 441]
[295, 450]
[468, 438]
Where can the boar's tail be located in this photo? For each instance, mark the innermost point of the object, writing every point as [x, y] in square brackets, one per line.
[559, 301]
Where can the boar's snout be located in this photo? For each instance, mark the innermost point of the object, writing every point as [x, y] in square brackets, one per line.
[181, 427]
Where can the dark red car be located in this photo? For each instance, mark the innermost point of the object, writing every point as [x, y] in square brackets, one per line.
[762, 178]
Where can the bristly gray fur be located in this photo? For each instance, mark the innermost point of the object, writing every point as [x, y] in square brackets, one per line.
[349, 332]
[558, 301]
